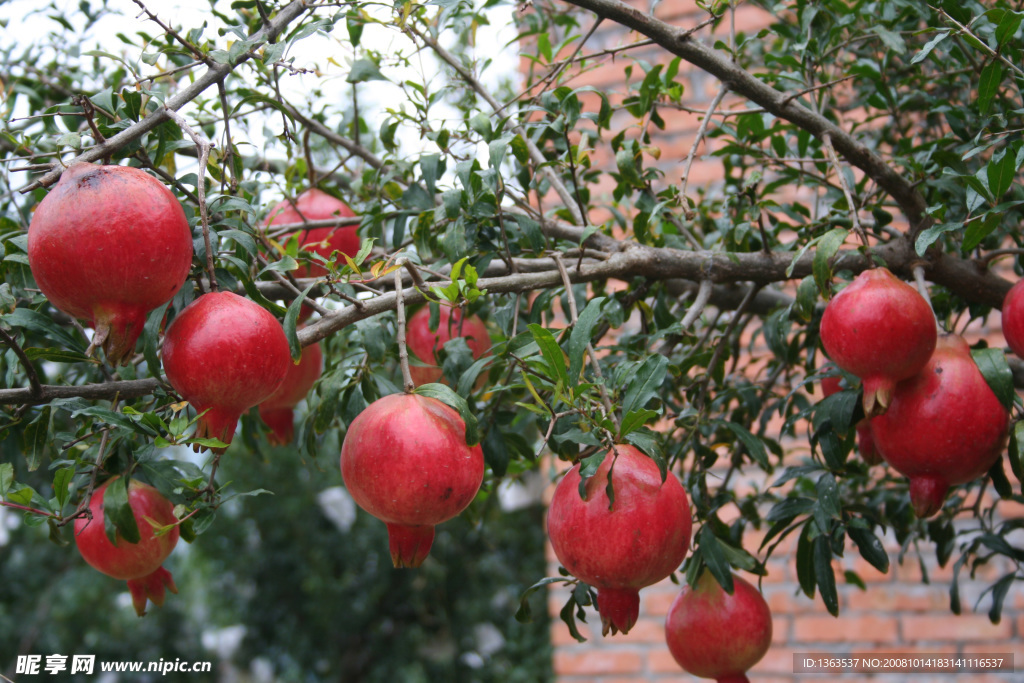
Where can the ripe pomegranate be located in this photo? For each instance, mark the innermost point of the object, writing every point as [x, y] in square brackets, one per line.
[880, 329]
[865, 440]
[1013, 318]
[317, 205]
[622, 547]
[276, 410]
[944, 426]
[406, 462]
[109, 244]
[713, 634]
[224, 354]
[138, 563]
[425, 343]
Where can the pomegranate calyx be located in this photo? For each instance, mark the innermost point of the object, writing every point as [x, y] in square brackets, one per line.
[409, 544]
[927, 494]
[619, 609]
[151, 587]
[282, 425]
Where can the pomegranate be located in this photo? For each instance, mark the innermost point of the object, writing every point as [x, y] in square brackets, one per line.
[865, 440]
[317, 205]
[1013, 318]
[406, 462]
[109, 244]
[276, 410]
[622, 547]
[713, 634]
[425, 343]
[138, 563]
[944, 426]
[880, 329]
[224, 354]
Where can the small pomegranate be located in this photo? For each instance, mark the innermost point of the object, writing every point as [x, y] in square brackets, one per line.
[224, 354]
[276, 410]
[317, 205]
[622, 547]
[138, 563]
[880, 329]
[109, 244]
[865, 440]
[406, 462]
[1013, 318]
[425, 343]
[713, 634]
[944, 426]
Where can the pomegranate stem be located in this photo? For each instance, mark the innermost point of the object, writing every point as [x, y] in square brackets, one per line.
[403, 350]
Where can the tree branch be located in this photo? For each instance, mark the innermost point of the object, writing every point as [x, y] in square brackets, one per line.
[213, 75]
[679, 42]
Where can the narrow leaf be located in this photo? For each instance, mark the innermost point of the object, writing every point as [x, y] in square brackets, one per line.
[997, 373]
[444, 394]
[825, 575]
[579, 339]
[714, 557]
[118, 517]
[552, 353]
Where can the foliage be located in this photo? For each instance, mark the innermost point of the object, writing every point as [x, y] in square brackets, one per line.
[625, 302]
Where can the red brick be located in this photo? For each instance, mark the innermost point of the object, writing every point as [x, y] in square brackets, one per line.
[950, 627]
[662, 661]
[867, 628]
[898, 598]
[599, 662]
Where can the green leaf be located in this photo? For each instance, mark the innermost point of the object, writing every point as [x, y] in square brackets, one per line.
[1001, 171]
[290, 323]
[118, 517]
[552, 353]
[646, 381]
[828, 247]
[928, 237]
[61, 481]
[588, 468]
[444, 394]
[364, 70]
[714, 557]
[805, 562]
[37, 437]
[977, 230]
[997, 373]
[999, 590]
[928, 47]
[755, 447]
[568, 615]
[524, 613]
[1017, 450]
[988, 86]
[635, 419]
[870, 547]
[579, 339]
[56, 355]
[6, 478]
[825, 575]
[1008, 26]
[37, 322]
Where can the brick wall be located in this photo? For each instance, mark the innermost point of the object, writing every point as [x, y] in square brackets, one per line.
[897, 613]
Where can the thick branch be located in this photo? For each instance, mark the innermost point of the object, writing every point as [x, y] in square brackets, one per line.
[679, 42]
[213, 76]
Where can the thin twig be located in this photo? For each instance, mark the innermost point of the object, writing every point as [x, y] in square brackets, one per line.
[826, 140]
[417, 278]
[703, 295]
[590, 347]
[30, 370]
[701, 131]
[403, 350]
[203, 145]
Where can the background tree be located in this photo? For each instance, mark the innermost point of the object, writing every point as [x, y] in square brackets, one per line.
[626, 304]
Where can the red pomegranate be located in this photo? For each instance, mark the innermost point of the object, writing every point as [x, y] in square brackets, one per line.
[425, 343]
[109, 244]
[138, 563]
[317, 205]
[865, 440]
[622, 547]
[406, 462]
[1013, 318]
[713, 634]
[276, 410]
[224, 354]
[944, 426]
[880, 329]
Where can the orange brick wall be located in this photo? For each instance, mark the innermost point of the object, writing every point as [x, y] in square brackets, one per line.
[897, 612]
